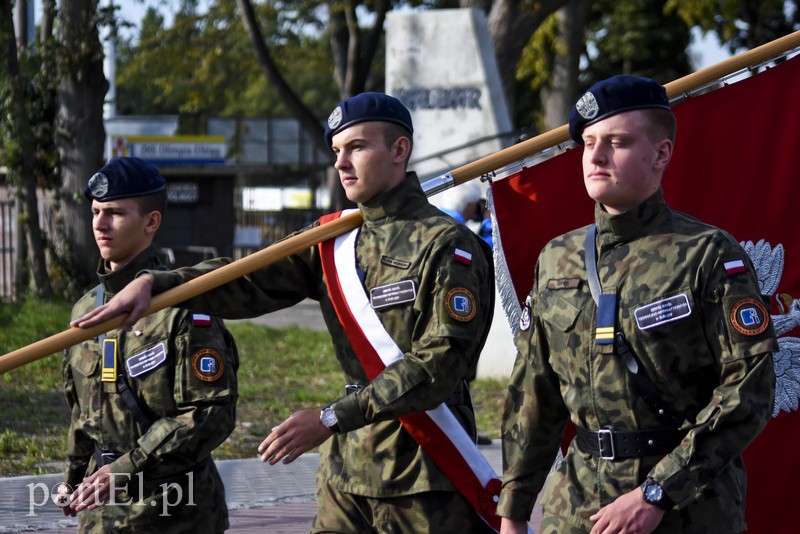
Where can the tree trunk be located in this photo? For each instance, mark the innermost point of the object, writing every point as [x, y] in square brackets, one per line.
[22, 172]
[562, 92]
[511, 25]
[308, 121]
[81, 133]
[354, 50]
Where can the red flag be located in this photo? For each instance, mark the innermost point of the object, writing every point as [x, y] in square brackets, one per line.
[736, 165]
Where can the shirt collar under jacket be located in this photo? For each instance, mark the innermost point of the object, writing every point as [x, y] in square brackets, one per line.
[402, 199]
[634, 223]
[114, 281]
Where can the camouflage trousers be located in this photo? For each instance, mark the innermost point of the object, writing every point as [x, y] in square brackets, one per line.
[183, 506]
[431, 512]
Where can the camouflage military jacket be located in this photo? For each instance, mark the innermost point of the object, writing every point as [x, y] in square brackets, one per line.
[677, 307]
[181, 369]
[403, 238]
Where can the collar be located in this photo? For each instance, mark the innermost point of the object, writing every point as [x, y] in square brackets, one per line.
[114, 281]
[638, 221]
[402, 199]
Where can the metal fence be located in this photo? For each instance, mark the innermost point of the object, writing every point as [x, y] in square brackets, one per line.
[8, 226]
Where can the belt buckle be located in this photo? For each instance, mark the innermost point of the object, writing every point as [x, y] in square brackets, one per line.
[607, 435]
[108, 457]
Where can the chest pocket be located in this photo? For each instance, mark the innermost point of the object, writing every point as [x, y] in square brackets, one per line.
[564, 330]
[85, 373]
[84, 362]
[668, 335]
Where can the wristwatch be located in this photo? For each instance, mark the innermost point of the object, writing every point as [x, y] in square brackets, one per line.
[654, 494]
[328, 418]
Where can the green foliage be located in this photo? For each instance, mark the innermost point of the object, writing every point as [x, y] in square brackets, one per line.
[281, 371]
[536, 62]
[203, 65]
[636, 37]
[740, 24]
[534, 70]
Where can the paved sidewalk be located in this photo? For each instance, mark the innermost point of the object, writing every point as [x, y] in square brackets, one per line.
[278, 499]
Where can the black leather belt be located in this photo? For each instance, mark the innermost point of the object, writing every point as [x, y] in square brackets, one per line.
[610, 444]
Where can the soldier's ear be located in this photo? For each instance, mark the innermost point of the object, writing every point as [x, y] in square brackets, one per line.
[152, 222]
[401, 148]
[663, 153]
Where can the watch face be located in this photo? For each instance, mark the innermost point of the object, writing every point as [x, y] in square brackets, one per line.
[653, 492]
[329, 417]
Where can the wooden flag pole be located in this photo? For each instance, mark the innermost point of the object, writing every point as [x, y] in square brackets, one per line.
[190, 289]
[332, 229]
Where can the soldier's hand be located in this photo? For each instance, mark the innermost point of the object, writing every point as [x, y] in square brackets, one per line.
[68, 509]
[628, 514]
[301, 432]
[94, 491]
[134, 299]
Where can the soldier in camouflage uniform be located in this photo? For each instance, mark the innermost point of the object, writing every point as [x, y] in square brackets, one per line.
[373, 475]
[667, 378]
[148, 405]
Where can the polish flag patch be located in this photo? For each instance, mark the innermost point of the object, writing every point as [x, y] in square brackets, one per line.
[463, 256]
[201, 319]
[734, 266]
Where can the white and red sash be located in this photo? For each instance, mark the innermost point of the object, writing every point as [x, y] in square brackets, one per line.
[437, 431]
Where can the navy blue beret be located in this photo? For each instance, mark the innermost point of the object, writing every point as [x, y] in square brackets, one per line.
[124, 178]
[615, 95]
[367, 107]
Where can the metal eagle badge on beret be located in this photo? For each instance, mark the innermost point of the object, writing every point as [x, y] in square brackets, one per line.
[207, 365]
[749, 317]
[460, 304]
[335, 118]
[98, 185]
[587, 106]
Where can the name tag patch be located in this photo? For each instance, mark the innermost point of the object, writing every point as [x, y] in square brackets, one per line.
[391, 294]
[663, 311]
[394, 262]
[139, 364]
[563, 283]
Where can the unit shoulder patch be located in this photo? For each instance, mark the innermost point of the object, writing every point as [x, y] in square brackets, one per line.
[207, 365]
[749, 317]
[460, 304]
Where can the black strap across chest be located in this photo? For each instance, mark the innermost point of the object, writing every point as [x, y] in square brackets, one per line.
[642, 382]
[123, 389]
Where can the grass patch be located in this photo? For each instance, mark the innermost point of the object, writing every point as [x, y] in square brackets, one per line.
[281, 371]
